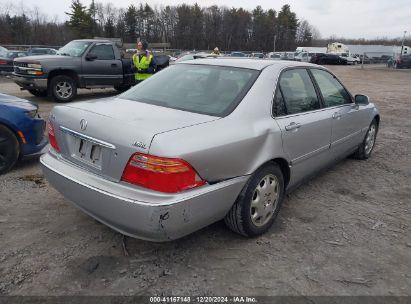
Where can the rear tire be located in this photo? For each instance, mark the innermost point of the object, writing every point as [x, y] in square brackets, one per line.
[63, 88]
[9, 149]
[365, 149]
[38, 93]
[259, 202]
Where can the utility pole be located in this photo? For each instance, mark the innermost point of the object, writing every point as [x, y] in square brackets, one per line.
[275, 38]
[402, 45]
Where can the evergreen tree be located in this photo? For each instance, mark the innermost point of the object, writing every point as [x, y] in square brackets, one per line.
[286, 28]
[81, 22]
[130, 24]
[93, 15]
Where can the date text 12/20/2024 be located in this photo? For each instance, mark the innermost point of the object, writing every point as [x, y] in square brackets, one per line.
[203, 299]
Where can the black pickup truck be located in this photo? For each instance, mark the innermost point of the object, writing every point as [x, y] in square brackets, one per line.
[79, 64]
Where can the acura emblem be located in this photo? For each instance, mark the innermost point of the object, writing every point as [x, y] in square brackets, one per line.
[83, 124]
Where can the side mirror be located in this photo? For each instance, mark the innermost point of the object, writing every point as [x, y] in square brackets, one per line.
[362, 100]
[91, 57]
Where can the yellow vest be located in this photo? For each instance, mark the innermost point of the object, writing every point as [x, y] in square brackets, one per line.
[142, 64]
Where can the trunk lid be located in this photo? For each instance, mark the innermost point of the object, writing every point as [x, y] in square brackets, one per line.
[101, 135]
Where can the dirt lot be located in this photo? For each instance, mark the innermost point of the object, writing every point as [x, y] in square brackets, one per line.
[346, 232]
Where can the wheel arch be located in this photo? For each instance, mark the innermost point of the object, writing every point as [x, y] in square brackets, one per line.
[65, 72]
[284, 167]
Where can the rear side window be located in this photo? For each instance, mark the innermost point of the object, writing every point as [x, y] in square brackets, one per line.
[331, 89]
[298, 91]
[103, 52]
[279, 108]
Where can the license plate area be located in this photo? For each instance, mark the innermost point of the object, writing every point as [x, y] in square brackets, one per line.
[88, 152]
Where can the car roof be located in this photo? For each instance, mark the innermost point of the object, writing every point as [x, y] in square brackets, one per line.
[95, 40]
[247, 63]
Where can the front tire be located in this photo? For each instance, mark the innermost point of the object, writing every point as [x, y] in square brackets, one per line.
[259, 202]
[9, 149]
[63, 88]
[365, 149]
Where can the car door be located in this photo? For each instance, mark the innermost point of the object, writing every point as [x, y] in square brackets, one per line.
[304, 124]
[347, 119]
[104, 69]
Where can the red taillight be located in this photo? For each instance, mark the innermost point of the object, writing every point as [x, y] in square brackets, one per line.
[161, 174]
[52, 136]
[3, 62]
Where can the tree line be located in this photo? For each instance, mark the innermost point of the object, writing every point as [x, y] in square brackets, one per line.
[183, 26]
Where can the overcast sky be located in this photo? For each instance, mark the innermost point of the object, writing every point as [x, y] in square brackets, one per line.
[342, 18]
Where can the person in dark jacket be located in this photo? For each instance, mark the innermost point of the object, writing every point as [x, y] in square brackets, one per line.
[144, 62]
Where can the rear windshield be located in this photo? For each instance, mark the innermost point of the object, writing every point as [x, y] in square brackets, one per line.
[204, 89]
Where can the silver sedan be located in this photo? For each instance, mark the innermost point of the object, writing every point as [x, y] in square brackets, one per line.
[203, 141]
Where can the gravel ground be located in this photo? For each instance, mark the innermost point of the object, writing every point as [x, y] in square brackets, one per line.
[345, 232]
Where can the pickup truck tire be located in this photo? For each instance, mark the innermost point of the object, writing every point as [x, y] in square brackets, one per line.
[38, 93]
[63, 88]
[9, 149]
[259, 202]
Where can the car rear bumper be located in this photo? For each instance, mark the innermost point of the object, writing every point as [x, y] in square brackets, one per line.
[31, 83]
[139, 212]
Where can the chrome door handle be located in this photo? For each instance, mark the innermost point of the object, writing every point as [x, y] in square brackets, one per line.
[292, 126]
[336, 115]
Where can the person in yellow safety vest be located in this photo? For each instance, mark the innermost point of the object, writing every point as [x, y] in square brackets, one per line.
[144, 62]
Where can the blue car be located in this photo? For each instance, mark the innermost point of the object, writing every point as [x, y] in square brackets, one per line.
[21, 131]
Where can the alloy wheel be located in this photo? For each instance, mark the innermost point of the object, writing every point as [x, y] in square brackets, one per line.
[370, 139]
[64, 89]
